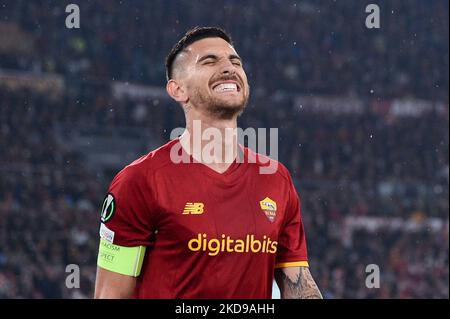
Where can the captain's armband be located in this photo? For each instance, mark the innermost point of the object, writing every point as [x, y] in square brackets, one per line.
[119, 259]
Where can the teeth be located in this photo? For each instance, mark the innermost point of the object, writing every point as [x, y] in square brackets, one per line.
[225, 87]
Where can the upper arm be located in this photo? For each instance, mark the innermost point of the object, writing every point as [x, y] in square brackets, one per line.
[291, 266]
[130, 208]
[112, 285]
[127, 222]
[296, 283]
[292, 248]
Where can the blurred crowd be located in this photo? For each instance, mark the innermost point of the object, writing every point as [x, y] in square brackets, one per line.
[49, 201]
[314, 46]
[344, 165]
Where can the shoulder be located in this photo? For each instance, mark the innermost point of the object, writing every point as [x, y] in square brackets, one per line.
[142, 167]
[267, 166]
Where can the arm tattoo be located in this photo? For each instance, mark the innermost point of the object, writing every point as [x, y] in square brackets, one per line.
[297, 283]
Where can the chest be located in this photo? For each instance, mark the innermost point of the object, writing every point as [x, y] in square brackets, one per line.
[194, 207]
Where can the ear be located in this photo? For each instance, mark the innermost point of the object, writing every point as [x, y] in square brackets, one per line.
[176, 91]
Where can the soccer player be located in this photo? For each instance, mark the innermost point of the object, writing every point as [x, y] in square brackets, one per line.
[203, 229]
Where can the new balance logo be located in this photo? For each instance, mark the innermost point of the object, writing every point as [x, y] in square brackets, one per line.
[193, 209]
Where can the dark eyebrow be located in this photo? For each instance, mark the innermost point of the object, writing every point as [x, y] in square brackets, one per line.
[214, 57]
[208, 56]
[234, 56]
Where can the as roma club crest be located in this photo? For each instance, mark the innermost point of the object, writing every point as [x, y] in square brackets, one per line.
[269, 207]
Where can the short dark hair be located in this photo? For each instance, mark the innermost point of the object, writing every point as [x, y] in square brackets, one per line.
[191, 36]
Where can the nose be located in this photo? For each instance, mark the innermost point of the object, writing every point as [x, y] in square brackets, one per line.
[228, 68]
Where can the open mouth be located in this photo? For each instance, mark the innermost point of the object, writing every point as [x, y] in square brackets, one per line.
[224, 87]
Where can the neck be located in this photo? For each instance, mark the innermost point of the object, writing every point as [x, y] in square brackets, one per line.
[210, 140]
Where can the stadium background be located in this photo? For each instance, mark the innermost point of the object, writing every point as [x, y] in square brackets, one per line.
[362, 117]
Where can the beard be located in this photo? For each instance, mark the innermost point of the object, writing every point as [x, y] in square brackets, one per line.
[220, 107]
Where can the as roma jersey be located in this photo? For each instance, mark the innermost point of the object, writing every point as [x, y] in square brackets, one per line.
[208, 234]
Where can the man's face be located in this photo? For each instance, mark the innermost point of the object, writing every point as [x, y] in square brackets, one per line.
[214, 78]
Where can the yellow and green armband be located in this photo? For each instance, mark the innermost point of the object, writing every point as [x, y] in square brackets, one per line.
[123, 260]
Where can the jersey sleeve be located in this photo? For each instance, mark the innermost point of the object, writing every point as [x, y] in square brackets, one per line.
[128, 210]
[292, 250]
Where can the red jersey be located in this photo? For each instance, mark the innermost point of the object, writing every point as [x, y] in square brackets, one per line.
[208, 234]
